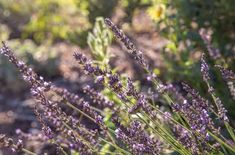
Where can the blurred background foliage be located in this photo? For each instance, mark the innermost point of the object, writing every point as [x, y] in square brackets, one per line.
[180, 22]
[35, 28]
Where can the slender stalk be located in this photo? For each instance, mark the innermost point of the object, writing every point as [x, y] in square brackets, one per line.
[117, 147]
[84, 140]
[222, 142]
[225, 151]
[113, 144]
[230, 130]
[27, 151]
[59, 145]
[167, 135]
[89, 117]
[228, 127]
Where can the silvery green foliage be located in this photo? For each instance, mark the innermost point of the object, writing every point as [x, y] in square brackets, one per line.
[99, 40]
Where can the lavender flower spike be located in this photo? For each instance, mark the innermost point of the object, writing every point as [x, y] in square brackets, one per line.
[226, 73]
[206, 37]
[204, 68]
[127, 42]
[229, 77]
[205, 74]
[9, 143]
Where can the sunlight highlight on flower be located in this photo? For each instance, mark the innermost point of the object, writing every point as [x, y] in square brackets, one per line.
[157, 12]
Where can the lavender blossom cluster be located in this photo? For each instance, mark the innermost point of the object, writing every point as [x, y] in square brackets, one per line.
[191, 124]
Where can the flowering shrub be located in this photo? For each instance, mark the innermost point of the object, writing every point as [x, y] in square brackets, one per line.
[186, 123]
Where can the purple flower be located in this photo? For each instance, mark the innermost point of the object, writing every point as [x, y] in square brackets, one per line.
[206, 37]
[229, 77]
[205, 73]
[226, 73]
[186, 139]
[127, 42]
[137, 139]
[98, 98]
[204, 68]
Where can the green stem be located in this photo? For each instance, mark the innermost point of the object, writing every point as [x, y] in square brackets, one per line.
[117, 147]
[222, 142]
[28, 152]
[84, 140]
[89, 117]
[114, 145]
[228, 127]
[167, 135]
[230, 130]
[169, 100]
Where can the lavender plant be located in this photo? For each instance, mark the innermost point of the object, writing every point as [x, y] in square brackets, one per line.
[191, 124]
[98, 41]
[221, 112]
